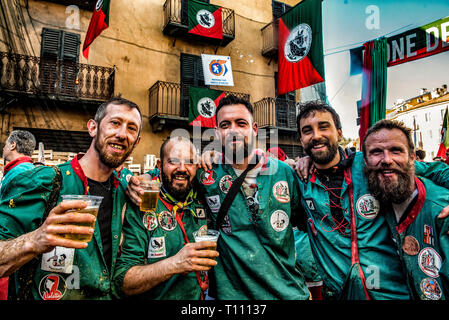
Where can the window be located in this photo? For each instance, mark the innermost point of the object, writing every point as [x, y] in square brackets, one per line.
[279, 9]
[59, 57]
[285, 107]
[191, 75]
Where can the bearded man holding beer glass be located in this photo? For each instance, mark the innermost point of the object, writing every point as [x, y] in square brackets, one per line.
[160, 258]
[52, 257]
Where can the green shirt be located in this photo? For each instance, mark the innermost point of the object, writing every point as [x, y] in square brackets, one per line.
[149, 238]
[422, 240]
[21, 211]
[257, 251]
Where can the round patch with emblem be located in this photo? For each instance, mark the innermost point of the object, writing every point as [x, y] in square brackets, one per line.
[430, 262]
[279, 220]
[205, 18]
[368, 206]
[52, 287]
[150, 221]
[167, 220]
[280, 192]
[225, 183]
[206, 107]
[298, 43]
[431, 288]
[208, 177]
[410, 246]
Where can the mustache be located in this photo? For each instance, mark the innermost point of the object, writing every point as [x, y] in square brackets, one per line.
[317, 142]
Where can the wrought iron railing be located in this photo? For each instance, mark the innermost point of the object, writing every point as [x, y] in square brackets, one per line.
[175, 11]
[275, 112]
[169, 99]
[270, 38]
[34, 75]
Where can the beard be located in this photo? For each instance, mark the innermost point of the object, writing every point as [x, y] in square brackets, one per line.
[179, 193]
[108, 159]
[388, 191]
[322, 157]
[238, 154]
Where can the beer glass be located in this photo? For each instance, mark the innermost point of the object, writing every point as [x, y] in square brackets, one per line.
[93, 204]
[206, 235]
[150, 195]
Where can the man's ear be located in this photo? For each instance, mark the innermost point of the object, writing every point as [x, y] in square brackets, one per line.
[92, 128]
[158, 164]
[12, 146]
[340, 134]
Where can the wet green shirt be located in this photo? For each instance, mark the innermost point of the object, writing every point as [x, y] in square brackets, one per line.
[257, 249]
[21, 211]
[149, 238]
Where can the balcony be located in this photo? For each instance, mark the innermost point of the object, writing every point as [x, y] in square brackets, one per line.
[275, 113]
[270, 39]
[169, 104]
[176, 23]
[55, 79]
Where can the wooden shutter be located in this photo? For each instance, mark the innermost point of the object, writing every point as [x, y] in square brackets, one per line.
[191, 75]
[279, 9]
[59, 58]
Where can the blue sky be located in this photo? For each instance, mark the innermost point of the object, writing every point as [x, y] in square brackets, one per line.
[344, 27]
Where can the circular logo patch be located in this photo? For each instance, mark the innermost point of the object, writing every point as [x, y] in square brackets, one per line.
[206, 107]
[205, 19]
[431, 288]
[225, 183]
[410, 246]
[99, 5]
[52, 287]
[280, 192]
[167, 221]
[430, 262]
[150, 221]
[279, 220]
[298, 43]
[368, 206]
[208, 177]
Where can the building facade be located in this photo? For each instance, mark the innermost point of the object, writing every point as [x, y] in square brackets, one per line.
[146, 55]
[424, 114]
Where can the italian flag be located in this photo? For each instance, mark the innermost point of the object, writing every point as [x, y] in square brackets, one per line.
[202, 105]
[98, 22]
[300, 43]
[205, 19]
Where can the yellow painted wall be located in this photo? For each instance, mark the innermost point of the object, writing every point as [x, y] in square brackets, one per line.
[142, 54]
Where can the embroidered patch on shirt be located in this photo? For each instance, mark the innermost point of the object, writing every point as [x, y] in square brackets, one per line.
[156, 249]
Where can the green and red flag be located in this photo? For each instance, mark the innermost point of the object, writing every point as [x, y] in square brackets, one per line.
[203, 103]
[444, 144]
[300, 43]
[98, 22]
[205, 19]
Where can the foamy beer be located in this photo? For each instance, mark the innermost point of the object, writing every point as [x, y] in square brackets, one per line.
[150, 195]
[204, 234]
[93, 204]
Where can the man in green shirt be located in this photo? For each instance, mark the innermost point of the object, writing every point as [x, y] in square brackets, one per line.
[46, 265]
[350, 240]
[160, 259]
[411, 206]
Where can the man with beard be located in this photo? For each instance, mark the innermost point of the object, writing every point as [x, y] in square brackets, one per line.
[28, 237]
[351, 242]
[411, 206]
[256, 244]
[160, 259]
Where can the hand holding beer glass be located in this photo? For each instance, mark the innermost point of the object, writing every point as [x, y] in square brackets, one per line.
[150, 195]
[93, 204]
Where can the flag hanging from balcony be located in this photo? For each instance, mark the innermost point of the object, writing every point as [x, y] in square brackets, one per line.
[300, 44]
[444, 144]
[98, 22]
[205, 19]
[202, 105]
